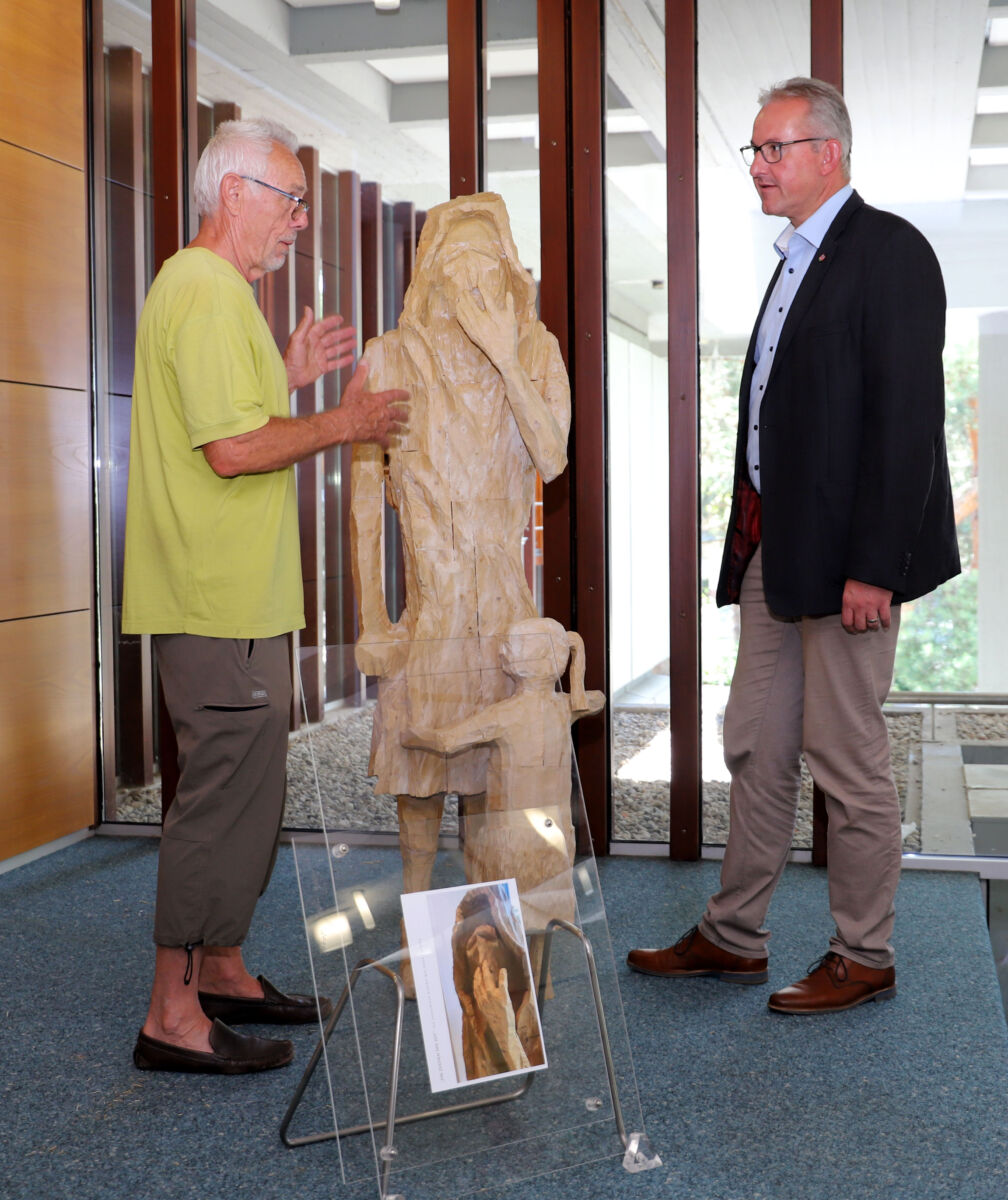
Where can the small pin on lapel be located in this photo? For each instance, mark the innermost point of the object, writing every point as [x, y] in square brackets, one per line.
[822, 257]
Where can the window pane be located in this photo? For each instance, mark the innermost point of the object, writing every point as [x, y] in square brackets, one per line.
[637, 421]
[741, 49]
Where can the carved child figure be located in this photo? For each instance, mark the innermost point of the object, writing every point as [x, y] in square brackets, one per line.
[525, 829]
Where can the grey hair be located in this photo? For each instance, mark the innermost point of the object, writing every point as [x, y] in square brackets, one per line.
[827, 109]
[238, 147]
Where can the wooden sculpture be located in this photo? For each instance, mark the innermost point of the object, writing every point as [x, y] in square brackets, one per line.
[490, 406]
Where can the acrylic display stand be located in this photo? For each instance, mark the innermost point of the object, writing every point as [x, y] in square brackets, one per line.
[367, 1094]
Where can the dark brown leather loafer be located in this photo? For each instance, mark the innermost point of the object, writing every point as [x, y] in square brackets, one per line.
[273, 1009]
[833, 984]
[693, 955]
[233, 1054]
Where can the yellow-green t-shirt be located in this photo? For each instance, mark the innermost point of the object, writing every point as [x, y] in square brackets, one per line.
[206, 555]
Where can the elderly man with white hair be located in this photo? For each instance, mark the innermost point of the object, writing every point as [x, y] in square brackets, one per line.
[213, 572]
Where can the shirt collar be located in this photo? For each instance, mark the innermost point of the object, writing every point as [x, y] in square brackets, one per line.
[813, 229]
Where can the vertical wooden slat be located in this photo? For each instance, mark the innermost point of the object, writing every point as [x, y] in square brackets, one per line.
[308, 400]
[588, 385]
[685, 791]
[554, 290]
[342, 677]
[204, 125]
[404, 218]
[466, 87]
[372, 265]
[173, 120]
[827, 64]
[827, 41]
[173, 125]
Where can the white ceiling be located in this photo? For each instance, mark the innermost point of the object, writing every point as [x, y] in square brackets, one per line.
[369, 90]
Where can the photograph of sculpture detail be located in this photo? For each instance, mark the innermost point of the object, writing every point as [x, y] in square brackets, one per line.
[475, 990]
[489, 407]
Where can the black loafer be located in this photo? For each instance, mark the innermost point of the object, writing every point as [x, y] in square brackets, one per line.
[233, 1054]
[273, 1009]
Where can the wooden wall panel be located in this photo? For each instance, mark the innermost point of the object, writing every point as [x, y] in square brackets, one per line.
[47, 734]
[47, 684]
[43, 272]
[45, 517]
[42, 78]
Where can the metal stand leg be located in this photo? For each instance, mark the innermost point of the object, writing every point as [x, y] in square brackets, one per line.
[639, 1155]
[388, 1151]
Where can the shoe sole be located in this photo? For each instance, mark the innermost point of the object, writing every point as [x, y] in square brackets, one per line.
[887, 994]
[744, 977]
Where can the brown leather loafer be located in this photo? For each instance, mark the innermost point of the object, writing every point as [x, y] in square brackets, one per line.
[694, 954]
[232, 1054]
[273, 1009]
[833, 984]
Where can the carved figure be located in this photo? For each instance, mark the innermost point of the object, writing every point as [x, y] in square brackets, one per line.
[525, 829]
[490, 407]
[500, 1022]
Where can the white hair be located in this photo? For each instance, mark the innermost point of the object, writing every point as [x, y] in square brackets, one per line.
[240, 148]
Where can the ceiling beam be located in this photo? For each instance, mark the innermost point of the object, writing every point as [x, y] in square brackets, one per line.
[994, 67]
[338, 31]
[990, 129]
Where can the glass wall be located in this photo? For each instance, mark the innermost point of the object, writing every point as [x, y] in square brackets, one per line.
[931, 143]
[637, 417]
[366, 94]
[739, 52]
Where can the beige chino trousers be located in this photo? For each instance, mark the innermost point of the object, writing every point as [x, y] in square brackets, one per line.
[806, 686]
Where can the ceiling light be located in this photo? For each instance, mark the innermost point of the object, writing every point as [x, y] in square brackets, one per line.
[387, 5]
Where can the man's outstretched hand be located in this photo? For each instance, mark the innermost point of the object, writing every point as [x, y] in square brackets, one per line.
[372, 416]
[316, 347]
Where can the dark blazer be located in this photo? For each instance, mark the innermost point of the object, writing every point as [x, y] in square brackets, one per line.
[853, 469]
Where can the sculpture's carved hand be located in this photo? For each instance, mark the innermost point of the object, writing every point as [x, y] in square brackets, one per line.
[493, 328]
[490, 991]
[384, 653]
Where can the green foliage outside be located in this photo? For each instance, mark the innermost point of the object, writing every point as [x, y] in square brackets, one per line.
[938, 635]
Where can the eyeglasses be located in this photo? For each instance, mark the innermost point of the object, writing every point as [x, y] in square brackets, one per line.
[773, 151]
[299, 202]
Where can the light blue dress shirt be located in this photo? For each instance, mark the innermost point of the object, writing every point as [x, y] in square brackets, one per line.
[797, 248]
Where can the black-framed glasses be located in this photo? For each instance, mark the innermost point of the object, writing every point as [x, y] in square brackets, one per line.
[299, 202]
[773, 151]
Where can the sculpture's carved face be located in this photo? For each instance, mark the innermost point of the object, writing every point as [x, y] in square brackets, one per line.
[472, 260]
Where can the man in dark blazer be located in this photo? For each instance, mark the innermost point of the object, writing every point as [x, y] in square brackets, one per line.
[842, 509]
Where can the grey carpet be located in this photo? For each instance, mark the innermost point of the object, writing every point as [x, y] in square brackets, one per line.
[905, 1099]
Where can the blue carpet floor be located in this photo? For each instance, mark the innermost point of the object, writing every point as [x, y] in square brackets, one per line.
[905, 1099]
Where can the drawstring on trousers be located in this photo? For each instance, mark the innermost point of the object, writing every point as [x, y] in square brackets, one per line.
[189, 947]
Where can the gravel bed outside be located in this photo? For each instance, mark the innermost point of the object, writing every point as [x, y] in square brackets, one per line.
[336, 754]
[982, 726]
